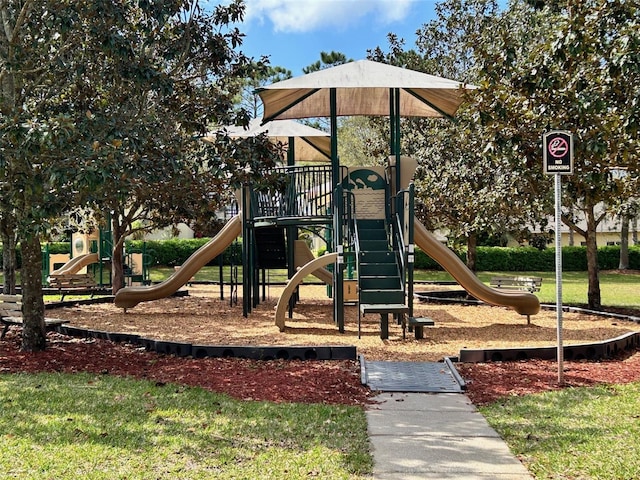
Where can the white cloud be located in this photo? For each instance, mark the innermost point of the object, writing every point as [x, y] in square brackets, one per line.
[308, 15]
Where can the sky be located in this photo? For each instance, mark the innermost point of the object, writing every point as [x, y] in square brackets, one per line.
[294, 32]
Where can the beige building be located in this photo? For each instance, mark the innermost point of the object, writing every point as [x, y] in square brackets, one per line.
[607, 233]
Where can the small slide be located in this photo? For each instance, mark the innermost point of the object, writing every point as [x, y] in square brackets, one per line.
[76, 264]
[308, 269]
[129, 297]
[522, 302]
[303, 255]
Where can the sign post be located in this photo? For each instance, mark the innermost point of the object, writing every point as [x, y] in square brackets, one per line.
[557, 153]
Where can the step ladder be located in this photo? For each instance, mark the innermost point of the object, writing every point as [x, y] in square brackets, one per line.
[380, 286]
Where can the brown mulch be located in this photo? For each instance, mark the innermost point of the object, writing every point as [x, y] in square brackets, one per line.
[278, 380]
[203, 318]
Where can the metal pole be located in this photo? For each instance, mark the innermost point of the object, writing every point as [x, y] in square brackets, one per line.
[558, 194]
[338, 274]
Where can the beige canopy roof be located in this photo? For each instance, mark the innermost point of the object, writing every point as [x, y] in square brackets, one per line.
[310, 144]
[362, 88]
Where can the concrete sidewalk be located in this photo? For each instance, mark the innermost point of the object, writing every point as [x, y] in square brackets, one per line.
[436, 436]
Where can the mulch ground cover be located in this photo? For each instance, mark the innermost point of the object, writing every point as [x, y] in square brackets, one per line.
[204, 318]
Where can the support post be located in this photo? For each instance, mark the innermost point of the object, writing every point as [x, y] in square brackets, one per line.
[558, 243]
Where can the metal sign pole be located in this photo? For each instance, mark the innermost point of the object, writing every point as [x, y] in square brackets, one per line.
[557, 159]
[558, 213]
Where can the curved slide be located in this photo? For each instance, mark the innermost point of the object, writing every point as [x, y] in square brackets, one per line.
[522, 302]
[303, 255]
[308, 269]
[76, 264]
[129, 297]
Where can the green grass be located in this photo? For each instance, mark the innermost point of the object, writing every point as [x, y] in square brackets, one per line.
[67, 426]
[573, 433]
[616, 289]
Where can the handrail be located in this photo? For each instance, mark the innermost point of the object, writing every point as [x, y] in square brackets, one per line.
[356, 246]
[399, 240]
[294, 191]
[349, 213]
[403, 216]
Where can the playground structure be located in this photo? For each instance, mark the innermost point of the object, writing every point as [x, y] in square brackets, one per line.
[376, 248]
[364, 214]
[90, 255]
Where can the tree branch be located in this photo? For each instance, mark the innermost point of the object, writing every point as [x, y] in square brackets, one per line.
[573, 226]
[20, 20]
[6, 25]
[179, 63]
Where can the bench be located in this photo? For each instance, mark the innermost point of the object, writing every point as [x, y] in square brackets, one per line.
[72, 283]
[528, 284]
[417, 324]
[11, 314]
[384, 309]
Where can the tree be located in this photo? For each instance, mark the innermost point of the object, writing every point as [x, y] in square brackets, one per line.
[41, 125]
[358, 137]
[465, 185]
[93, 91]
[160, 171]
[262, 75]
[626, 211]
[9, 257]
[582, 76]
[327, 60]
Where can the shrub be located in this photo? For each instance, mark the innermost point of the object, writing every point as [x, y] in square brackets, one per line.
[517, 259]
[59, 247]
[509, 259]
[174, 252]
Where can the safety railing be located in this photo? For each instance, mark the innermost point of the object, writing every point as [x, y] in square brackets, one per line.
[402, 214]
[294, 191]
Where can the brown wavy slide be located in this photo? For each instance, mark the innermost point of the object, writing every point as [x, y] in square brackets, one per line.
[522, 302]
[129, 297]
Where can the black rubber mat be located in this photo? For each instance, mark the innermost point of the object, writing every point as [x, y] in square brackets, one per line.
[432, 377]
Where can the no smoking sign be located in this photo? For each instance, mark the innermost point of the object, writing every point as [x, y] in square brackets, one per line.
[557, 152]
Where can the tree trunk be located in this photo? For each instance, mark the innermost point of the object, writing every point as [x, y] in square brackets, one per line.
[33, 332]
[593, 293]
[571, 239]
[9, 257]
[472, 252]
[117, 256]
[624, 243]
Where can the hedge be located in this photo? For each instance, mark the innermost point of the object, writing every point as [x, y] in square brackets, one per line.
[174, 252]
[517, 259]
[491, 259]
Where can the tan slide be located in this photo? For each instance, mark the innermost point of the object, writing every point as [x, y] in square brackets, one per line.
[76, 264]
[308, 269]
[303, 255]
[522, 302]
[129, 297]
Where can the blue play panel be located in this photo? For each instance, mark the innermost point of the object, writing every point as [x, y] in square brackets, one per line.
[431, 377]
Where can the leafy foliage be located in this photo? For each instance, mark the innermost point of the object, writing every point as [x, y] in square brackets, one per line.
[106, 103]
[582, 76]
[465, 185]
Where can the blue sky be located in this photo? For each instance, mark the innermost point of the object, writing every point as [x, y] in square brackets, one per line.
[294, 32]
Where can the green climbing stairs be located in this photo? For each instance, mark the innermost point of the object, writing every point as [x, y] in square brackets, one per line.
[381, 287]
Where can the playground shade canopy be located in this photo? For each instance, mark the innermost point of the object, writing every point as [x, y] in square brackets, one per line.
[362, 88]
[310, 144]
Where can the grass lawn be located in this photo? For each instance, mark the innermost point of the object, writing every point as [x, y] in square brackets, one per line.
[573, 433]
[102, 427]
[616, 289]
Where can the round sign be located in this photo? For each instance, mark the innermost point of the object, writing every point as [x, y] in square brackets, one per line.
[558, 147]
